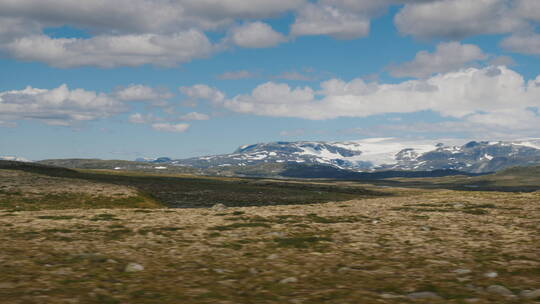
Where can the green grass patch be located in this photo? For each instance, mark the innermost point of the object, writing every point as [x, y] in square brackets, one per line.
[301, 241]
[159, 230]
[104, 217]
[476, 211]
[57, 217]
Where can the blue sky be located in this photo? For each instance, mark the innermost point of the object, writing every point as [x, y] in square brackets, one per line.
[182, 78]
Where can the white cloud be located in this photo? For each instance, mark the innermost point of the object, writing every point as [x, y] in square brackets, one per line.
[130, 32]
[524, 43]
[341, 19]
[447, 57]
[502, 60]
[166, 127]
[235, 75]
[109, 51]
[255, 35]
[138, 118]
[457, 19]
[321, 19]
[194, 116]
[484, 95]
[244, 9]
[143, 16]
[203, 92]
[138, 92]
[529, 9]
[59, 106]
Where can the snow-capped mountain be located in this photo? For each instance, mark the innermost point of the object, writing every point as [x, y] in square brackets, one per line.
[158, 160]
[379, 154]
[15, 158]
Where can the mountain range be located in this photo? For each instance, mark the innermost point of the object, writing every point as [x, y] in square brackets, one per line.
[374, 155]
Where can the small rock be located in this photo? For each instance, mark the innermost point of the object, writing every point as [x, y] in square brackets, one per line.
[134, 267]
[62, 271]
[273, 256]
[99, 291]
[458, 205]
[426, 228]
[219, 207]
[219, 270]
[424, 295]
[253, 271]
[277, 234]
[471, 287]
[462, 271]
[491, 274]
[289, 280]
[111, 261]
[500, 290]
[375, 222]
[530, 294]
[344, 269]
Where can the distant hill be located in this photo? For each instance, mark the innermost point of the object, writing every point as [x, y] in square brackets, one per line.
[358, 160]
[373, 155]
[81, 163]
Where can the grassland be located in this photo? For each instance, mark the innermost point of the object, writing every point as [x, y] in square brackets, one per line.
[177, 191]
[351, 244]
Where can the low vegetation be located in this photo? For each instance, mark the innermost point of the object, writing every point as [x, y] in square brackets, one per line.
[276, 242]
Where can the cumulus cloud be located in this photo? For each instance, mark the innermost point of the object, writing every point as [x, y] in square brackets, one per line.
[447, 57]
[341, 19]
[203, 92]
[59, 106]
[502, 60]
[255, 35]
[109, 51]
[144, 16]
[138, 92]
[467, 128]
[194, 116]
[484, 95]
[166, 127]
[323, 19]
[138, 118]
[295, 76]
[529, 9]
[129, 32]
[244, 9]
[235, 75]
[456, 19]
[525, 43]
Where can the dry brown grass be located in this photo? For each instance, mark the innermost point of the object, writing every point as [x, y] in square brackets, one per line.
[343, 252]
[21, 190]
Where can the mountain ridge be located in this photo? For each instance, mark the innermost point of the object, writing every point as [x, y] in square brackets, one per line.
[373, 155]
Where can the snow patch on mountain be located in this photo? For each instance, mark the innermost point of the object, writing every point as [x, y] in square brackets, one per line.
[377, 154]
[15, 158]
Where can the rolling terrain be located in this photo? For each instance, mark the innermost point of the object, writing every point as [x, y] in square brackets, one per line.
[104, 236]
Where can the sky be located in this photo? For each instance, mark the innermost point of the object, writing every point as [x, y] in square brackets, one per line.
[181, 78]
